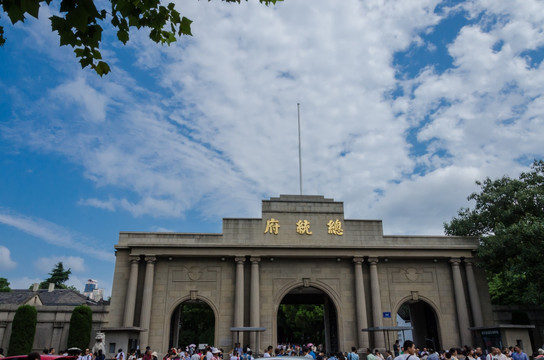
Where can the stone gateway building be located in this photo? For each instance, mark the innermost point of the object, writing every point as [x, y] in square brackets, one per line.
[302, 250]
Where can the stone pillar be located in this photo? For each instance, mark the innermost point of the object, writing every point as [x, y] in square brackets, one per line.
[3, 325]
[327, 323]
[239, 295]
[145, 316]
[255, 302]
[473, 295]
[130, 303]
[460, 302]
[379, 341]
[360, 303]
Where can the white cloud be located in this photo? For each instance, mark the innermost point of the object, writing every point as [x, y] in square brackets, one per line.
[23, 282]
[217, 129]
[6, 263]
[53, 234]
[75, 263]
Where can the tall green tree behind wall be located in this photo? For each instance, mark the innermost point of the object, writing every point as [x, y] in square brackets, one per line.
[23, 330]
[508, 217]
[81, 322]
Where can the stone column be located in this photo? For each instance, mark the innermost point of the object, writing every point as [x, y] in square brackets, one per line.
[460, 302]
[379, 341]
[473, 295]
[3, 325]
[145, 316]
[239, 295]
[130, 303]
[255, 302]
[360, 304]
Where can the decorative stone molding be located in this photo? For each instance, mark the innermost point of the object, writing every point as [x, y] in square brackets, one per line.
[150, 259]
[240, 259]
[455, 261]
[358, 260]
[373, 260]
[194, 294]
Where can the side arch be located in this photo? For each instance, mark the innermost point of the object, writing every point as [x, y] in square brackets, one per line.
[436, 312]
[170, 312]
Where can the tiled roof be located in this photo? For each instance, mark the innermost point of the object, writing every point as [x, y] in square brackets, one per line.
[56, 297]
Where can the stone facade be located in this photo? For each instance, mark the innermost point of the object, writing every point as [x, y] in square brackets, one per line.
[244, 274]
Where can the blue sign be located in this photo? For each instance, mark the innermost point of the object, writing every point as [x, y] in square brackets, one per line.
[387, 315]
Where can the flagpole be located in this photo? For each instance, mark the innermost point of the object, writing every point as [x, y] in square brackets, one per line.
[299, 150]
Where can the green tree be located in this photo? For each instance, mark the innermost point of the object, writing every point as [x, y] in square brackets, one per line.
[4, 285]
[301, 323]
[23, 330]
[79, 334]
[508, 217]
[197, 323]
[80, 23]
[57, 276]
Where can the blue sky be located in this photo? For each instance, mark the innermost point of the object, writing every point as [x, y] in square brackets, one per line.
[404, 104]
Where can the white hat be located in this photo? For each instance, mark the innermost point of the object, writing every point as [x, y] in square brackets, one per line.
[215, 351]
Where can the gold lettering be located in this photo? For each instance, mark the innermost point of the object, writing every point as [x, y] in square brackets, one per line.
[272, 226]
[335, 227]
[303, 227]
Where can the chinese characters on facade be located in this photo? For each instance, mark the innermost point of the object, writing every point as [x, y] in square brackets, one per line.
[334, 227]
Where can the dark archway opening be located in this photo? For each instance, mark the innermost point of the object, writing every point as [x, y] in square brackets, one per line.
[422, 317]
[193, 322]
[308, 315]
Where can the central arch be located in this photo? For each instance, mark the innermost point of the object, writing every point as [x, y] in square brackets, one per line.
[307, 314]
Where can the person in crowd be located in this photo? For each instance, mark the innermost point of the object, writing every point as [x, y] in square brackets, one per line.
[33, 356]
[121, 355]
[268, 352]
[353, 354]
[433, 355]
[518, 354]
[396, 348]
[389, 355]
[100, 355]
[370, 355]
[409, 351]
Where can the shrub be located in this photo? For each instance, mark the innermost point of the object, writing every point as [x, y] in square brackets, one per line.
[79, 334]
[23, 330]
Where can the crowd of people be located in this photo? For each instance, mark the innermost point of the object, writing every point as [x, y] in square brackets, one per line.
[408, 351]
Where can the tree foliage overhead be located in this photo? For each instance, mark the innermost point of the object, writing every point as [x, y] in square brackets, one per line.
[23, 330]
[81, 321]
[4, 285]
[508, 216]
[57, 276]
[79, 23]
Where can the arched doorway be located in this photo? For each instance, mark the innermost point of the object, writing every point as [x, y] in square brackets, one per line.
[308, 315]
[422, 317]
[193, 322]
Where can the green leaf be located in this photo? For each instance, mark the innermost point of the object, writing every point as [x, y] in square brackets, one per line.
[185, 26]
[102, 68]
[31, 6]
[123, 36]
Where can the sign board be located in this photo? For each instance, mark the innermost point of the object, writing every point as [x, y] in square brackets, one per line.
[387, 315]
